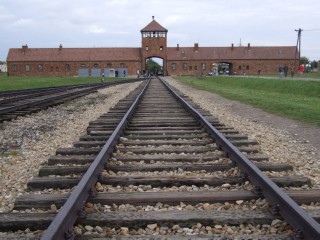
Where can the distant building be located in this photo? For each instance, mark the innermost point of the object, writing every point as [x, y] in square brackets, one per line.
[3, 67]
[121, 62]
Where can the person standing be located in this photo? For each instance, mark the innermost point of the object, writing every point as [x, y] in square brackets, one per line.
[285, 70]
[292, 70]
[280, 71]
[301, 70]
[102, 77]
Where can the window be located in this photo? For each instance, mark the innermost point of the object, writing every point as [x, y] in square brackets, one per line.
[40, 67]
[161, 48]
[185, 66]
[109, 65]
[27, 68]
[203, 66]
[247, 67]
[15, 68]
[51, 69]
[239, 67]
[174, 66]
[190, 68]
[95, 65]
[195, 67]
[67, 67]
[57, 69]
[161, 34]
[147, 48]
[83, 65]
[122, 65]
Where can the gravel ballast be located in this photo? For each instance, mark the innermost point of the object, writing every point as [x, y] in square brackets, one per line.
[27, 142]
[281, 139]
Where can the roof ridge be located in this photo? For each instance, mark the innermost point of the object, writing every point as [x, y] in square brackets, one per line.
[154, 26]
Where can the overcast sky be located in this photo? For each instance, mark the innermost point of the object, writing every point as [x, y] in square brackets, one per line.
[117, 23]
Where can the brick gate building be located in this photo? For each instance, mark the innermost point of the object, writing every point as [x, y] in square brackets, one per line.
[122, 62]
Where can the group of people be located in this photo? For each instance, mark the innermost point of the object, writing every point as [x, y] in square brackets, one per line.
[284, 71]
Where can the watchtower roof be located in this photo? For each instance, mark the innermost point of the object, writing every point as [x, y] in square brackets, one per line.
[154, 26]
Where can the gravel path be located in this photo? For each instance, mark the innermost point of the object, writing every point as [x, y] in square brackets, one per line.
[281, 139]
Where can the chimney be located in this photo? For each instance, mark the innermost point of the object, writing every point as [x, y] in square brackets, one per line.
[196, 47]
[232, 46]
[177, 47]
[248, 46]
[60, 47]
[152, 17]
[24, 48]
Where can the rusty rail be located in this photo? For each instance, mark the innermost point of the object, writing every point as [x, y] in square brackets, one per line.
[61, 226]
[305, 226]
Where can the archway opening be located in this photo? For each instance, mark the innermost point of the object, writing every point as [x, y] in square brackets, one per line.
[154, 66]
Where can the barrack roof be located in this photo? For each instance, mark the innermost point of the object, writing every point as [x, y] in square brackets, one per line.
[228, 53]
[74, 54]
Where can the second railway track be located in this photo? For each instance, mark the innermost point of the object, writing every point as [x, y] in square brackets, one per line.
[167, 176]
[24, 102]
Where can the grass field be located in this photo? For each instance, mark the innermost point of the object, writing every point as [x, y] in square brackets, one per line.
[294, 99]
[305, 75]
[15, 83]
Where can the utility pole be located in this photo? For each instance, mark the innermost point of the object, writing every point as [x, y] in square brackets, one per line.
[298, 46]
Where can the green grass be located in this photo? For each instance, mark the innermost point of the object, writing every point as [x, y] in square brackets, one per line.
[291, 98]
[305, 75]
[28, 82]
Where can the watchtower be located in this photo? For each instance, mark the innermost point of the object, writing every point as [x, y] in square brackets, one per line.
[154, 43]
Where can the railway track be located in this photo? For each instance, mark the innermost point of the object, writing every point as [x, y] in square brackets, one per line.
[163, 172]
[24, 102]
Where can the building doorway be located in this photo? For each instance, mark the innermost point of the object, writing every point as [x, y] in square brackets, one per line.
[221, 68]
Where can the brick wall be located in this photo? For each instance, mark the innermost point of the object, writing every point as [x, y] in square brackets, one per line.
[67, 68]
[154, 47]
[238, 67]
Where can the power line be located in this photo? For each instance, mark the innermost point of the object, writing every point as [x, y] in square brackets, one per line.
[312, 30]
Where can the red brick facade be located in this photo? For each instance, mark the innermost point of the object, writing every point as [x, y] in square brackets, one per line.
[177, 60]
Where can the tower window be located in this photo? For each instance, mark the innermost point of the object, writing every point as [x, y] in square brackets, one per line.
[147, 48]
[161, 48]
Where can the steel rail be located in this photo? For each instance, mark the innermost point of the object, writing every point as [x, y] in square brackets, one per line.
[91, 88]
[35, 103]
[34, 90]
[61, 226]
[305, 226]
